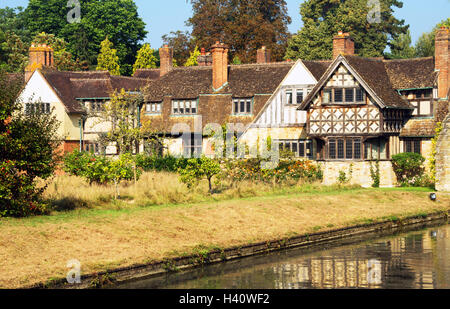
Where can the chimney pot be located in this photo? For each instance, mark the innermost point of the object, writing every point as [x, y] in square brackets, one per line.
[40, 56]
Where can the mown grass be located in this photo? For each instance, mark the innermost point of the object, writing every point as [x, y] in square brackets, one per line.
[154, 223]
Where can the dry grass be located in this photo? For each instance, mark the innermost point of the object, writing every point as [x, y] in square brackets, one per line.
[37, 249]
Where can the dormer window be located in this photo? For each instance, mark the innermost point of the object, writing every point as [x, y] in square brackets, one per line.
[242, 107]
[300, 96]
[184, 107]
[153, 108]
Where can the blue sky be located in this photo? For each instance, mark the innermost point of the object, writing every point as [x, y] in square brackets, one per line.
[162, 17]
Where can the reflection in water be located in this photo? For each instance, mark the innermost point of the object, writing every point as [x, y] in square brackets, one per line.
[417, 260]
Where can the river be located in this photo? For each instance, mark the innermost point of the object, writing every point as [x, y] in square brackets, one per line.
[412, 260]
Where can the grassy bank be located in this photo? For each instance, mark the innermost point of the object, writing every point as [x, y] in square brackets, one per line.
[151, 224]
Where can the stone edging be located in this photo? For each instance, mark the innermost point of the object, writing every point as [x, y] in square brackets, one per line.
[136, 272]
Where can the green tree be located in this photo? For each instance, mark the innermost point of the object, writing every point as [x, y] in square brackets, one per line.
[198, 169]
[192, 60]
[245, 25]
[323, 19]
[122, 112]
[145, 58]
[402, 48]
[63, 58]
[425, 46]
[108, 59]
[28, 148]
[116, 19]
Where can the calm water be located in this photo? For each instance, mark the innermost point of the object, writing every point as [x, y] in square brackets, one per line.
[414, 260]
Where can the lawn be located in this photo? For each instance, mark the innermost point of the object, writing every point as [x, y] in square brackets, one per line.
[154, 222]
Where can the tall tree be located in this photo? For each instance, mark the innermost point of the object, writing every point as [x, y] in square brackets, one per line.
[323, 19]
[425, 45]
[145, 58]
[108, 59]
[402, 48]
[117, 19]
[181, 42]
[245, 25]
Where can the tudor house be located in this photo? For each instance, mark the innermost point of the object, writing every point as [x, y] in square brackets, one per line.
[366, 109]
[74, 97]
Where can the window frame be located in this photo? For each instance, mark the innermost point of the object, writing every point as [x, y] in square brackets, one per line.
[181, 107]
[156, 105]
[304, 146]
[247, 104]
[343, 101]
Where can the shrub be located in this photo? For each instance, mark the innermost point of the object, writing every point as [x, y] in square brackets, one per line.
[28, 146]
[159, 164]
[250, 169]
[87, 165]
[100, 169]
[408, 168]
[198, 169]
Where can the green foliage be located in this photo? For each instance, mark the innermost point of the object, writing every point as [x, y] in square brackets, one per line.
[425, 45]
[375, 174]
[160, 164]
[116, 19]
[87, 165]
[145, 58]
[286, 171]
[192, 60]
[323, 19]
[122, 112]
[434, 140]
[401, 47]
[28, 146]
[197, 169]
[63, 59]
[107, 59]
[101, 169]
[236, 60]
[409, 169]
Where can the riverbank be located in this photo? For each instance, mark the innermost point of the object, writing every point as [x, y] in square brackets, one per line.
[36, 250]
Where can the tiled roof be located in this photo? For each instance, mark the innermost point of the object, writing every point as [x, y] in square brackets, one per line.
[151, 74]
[418, 127]
[411, 73]
[373, 73]
[95, 84]
[243, 81]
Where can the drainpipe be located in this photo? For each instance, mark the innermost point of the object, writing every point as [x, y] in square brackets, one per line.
[81, 124]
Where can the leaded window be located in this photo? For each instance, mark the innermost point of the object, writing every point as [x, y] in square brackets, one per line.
[37, 108]
[184, 107]
[242, 107]
[298, 148]
[153, 108]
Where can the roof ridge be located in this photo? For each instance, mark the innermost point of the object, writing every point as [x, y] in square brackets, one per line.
[408, 59]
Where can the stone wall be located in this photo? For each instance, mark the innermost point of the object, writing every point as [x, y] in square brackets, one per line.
[359, 173]
[443, 158]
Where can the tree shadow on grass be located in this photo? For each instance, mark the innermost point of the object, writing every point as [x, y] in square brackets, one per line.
[68, 204]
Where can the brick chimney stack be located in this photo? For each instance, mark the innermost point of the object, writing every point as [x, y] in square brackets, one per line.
[442, 60]
[205, 59]
[166, 60]
[220, 65]
[40, 56]
[343, 45]
[263, 55]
